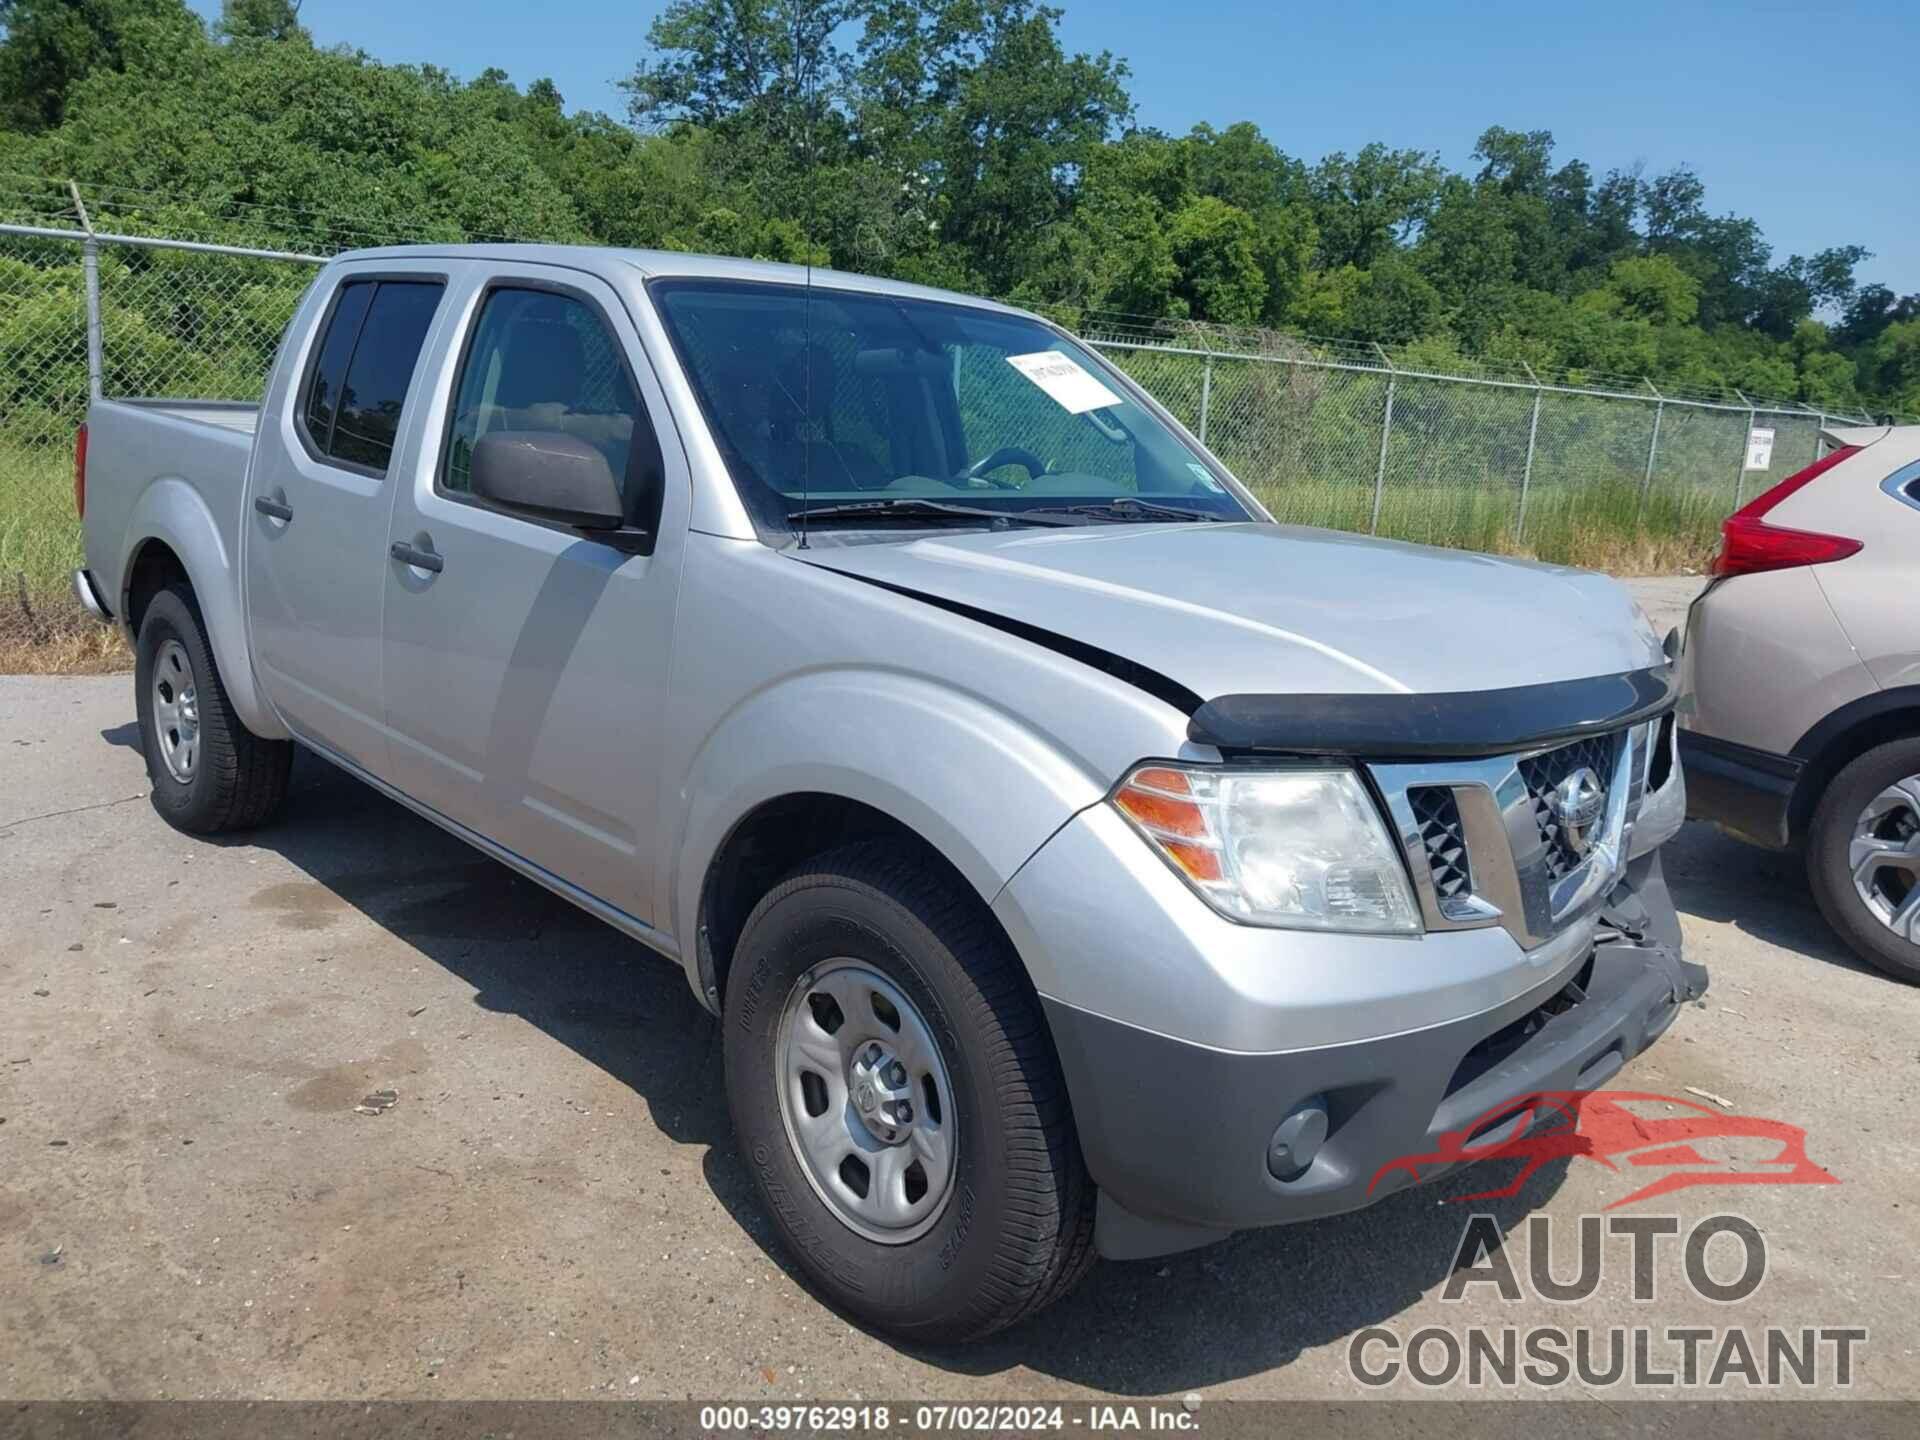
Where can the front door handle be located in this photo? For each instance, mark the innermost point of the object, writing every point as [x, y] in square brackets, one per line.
[273, 509]
[422, 559]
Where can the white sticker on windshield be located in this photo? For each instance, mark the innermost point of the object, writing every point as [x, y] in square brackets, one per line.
[1071, 387]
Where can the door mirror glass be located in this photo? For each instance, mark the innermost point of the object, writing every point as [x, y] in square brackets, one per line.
[547, 474]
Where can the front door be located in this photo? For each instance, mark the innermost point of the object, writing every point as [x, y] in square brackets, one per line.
[318, 501]
[526, 662]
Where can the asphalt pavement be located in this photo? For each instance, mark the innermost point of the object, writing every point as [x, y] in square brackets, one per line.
[199, 1199]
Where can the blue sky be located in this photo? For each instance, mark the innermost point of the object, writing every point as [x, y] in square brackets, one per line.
[1797, 115]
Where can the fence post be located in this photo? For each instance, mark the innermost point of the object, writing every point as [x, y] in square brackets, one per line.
[1653, 446]
[1740, 466]
[1386, 431]
[1206, 395]
[1820, 438]
[1526, 473]
[96, 360]
[90, 277]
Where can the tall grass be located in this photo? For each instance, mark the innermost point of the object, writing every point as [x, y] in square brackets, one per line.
[39, 532]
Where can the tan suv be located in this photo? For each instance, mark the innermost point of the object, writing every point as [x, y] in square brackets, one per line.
[1800, 668]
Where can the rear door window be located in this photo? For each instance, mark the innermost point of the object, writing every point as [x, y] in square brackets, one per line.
[330, 367]
[365, 367]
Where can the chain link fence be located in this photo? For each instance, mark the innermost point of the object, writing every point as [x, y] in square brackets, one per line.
[1596, 470]
[177, 319]
[1602, 471]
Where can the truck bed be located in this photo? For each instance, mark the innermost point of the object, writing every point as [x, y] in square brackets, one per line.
[237, 415]
[183, 460]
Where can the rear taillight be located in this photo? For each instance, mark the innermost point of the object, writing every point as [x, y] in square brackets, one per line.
[80, 471]
[1749, 545]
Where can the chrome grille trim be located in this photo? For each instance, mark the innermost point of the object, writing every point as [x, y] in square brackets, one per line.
[1544, 771]
[1516, 869]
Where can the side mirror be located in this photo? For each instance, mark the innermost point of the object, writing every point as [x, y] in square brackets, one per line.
[548, 474]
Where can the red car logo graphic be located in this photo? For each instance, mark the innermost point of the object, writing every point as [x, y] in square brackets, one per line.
[1699, 1146]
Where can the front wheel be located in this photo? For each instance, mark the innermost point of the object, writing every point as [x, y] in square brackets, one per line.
[1863, 857]
[209, 772]
[898, 1102]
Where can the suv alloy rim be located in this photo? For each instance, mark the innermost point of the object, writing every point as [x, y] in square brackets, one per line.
[176, 711]
[1884, 856]
[865, 1098]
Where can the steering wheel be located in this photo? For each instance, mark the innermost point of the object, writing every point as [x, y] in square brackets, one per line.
[1005, 455]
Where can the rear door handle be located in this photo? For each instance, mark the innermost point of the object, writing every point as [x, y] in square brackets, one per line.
[273, 509]
[423, 559]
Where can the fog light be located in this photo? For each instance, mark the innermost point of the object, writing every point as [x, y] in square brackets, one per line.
[1290, 1153]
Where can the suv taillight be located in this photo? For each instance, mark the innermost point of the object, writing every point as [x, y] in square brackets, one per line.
[1748, 544]
[80, 471]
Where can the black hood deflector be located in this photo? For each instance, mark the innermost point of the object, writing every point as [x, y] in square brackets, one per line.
[1451, 723]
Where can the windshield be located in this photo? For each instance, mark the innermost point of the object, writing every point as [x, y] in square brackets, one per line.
[858, 407]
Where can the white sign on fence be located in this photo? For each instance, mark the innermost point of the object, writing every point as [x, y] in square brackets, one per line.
[1760, 448]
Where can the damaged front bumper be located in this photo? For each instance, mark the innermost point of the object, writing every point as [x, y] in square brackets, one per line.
[1189, 1143]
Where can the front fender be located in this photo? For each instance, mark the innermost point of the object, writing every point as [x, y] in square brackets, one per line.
[968, 777]
[172, 512]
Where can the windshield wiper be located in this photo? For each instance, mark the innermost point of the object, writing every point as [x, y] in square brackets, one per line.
[907, 509]
[1128, 508]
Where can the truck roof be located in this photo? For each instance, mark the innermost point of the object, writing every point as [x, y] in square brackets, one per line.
[607, 261]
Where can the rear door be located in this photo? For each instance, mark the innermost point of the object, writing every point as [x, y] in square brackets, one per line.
[526, 662]
[316, 519]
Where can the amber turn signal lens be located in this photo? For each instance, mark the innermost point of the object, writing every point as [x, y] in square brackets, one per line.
[1200, 863]
[1165, 814]
[1155, 778]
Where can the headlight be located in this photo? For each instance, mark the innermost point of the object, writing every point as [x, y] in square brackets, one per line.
[1298, 848]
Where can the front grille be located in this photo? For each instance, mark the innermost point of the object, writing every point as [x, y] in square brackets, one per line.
[1543, 773]
[1445, 840]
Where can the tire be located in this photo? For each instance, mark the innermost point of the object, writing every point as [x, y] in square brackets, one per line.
[233, 779]
[1015, 1229]
[1891, 770]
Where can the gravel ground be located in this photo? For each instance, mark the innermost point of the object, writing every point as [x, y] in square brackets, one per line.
[191, 1203]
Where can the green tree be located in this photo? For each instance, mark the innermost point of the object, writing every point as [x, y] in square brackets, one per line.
[1371, 203]
[980, 98]
[1216, 248]
[1893, 364]
[261, 20]
[717, 61]
[1650, 288]
[52, 45]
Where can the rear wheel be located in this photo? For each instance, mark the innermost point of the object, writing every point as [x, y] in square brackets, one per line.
[1863, 857]
[895, 1092]
[209, 772]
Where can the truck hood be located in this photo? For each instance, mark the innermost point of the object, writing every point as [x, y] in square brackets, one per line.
[1235, 608]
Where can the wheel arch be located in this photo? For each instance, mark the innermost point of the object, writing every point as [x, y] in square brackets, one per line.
[1842, 737]
[876, 750]
[775, 838]
[175, 536]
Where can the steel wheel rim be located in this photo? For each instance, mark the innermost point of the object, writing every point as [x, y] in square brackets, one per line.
[1884, 856]
[176, 711]
[851, 1117]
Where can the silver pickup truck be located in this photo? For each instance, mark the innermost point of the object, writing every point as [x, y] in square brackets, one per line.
[1077, 861]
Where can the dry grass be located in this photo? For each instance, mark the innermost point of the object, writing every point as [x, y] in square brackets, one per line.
[1624, 555]
[49, 634]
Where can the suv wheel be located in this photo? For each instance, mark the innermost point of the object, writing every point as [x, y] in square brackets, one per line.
[1863, 857]
[209, 772]
[898, 1102]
